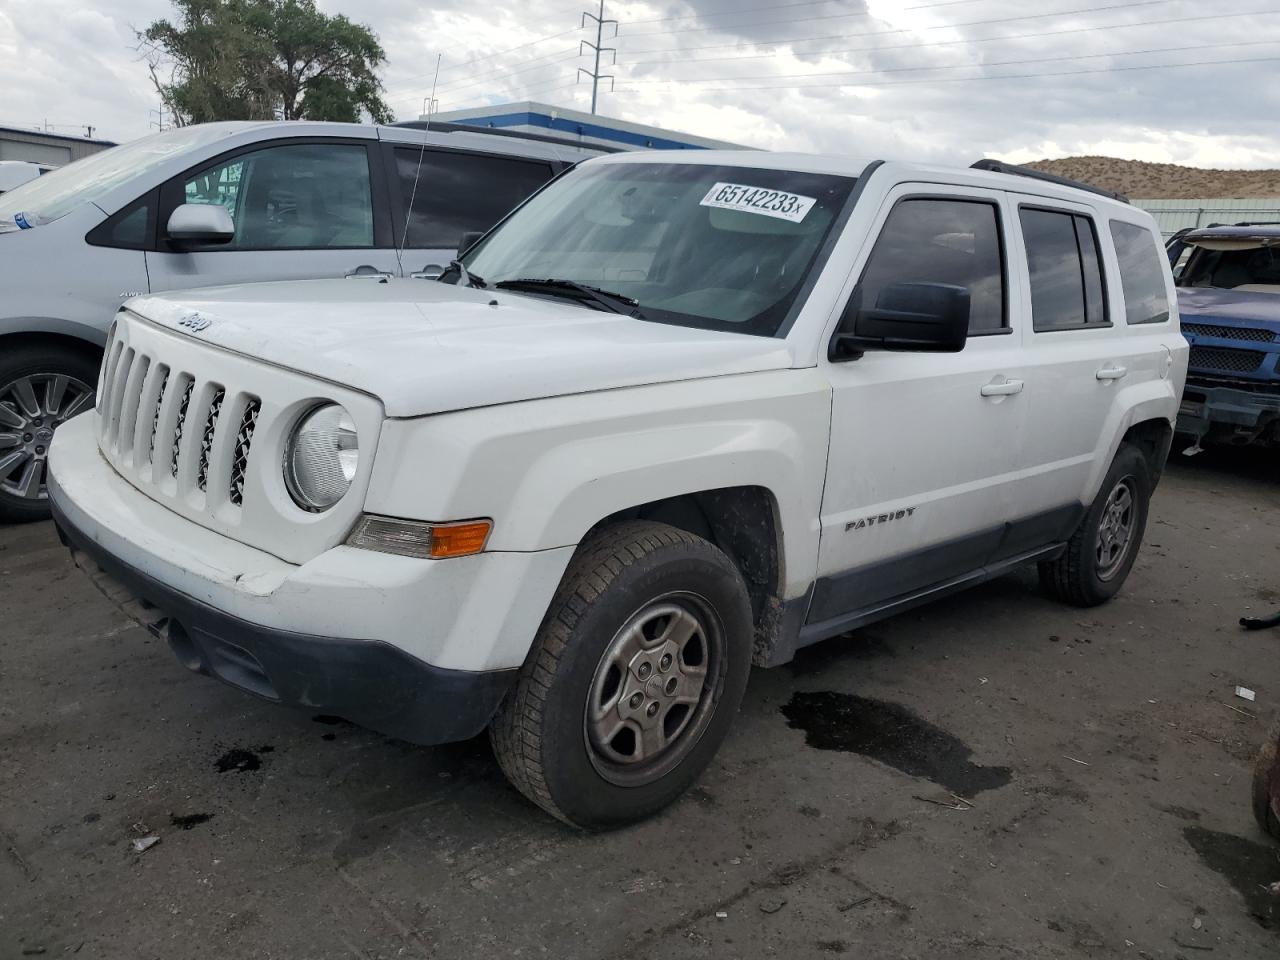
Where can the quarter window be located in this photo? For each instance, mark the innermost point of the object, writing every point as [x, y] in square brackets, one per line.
[1146, 298]
[1067, 288]
[942, 241]
[458, 193]
[300, 196]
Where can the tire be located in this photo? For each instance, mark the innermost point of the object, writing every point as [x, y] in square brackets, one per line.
[40, 388]
[1265, 773]
[1088, 573]
[630, 592]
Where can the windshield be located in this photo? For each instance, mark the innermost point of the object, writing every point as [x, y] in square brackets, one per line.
[1247, 265]
[58, 193]
[716, 247]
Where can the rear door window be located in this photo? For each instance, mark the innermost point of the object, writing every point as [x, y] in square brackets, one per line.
[1067, 287]
[1142, 272]
[940, 240]
[449, 194]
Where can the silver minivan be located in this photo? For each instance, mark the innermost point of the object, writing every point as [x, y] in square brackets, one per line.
[223, 203]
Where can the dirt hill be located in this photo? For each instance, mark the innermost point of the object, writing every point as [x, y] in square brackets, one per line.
[1163, 181]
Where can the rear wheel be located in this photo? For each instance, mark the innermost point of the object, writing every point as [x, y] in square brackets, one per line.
[633, 680]
[40, 389]
[1101, 552]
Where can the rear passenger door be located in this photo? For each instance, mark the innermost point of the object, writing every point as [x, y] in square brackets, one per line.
[302, 210]
[439, 195]
[1078, 357]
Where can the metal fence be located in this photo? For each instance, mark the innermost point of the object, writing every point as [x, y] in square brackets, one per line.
[1173, 215]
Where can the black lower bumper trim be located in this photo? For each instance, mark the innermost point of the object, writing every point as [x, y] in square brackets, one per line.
[365, 681]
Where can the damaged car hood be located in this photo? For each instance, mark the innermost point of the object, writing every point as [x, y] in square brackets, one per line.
[1217, 303]
[424, 347]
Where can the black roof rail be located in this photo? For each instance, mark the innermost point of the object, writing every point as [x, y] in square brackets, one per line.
[443, 127]
[999, 166]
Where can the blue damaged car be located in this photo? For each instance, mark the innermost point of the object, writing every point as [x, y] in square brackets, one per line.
[1228, 280]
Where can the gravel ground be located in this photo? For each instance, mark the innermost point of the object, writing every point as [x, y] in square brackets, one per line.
[1103, 754]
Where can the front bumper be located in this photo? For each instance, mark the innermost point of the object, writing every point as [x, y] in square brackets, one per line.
[418, 649]
[1239, 416]
[373, 684]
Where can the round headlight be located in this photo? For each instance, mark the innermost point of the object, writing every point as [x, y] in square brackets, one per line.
[321, 459]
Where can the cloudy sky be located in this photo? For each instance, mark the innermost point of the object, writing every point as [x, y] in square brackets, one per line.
[1180, 81]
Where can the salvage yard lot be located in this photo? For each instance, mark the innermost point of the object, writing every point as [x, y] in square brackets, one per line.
[1102, 752]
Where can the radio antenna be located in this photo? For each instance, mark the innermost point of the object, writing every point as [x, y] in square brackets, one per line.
[422, 149]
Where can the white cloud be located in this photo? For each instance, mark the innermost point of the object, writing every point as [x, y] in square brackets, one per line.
[738, 70]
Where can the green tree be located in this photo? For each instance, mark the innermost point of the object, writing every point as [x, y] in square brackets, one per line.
[261, 59]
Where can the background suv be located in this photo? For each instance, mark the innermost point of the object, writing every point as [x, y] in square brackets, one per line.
[224, 203]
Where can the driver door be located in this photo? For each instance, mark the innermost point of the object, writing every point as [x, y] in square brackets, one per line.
[921, 467]
[302, 210]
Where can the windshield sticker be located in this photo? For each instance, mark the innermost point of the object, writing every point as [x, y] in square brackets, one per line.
[761, 200]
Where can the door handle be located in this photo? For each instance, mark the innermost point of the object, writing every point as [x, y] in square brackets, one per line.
[430, 272]
[367, 272]
[1111, 373]
[1001, 388]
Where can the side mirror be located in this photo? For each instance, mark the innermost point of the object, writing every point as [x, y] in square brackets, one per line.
[199, 223]
[919, 317]
[469, 240]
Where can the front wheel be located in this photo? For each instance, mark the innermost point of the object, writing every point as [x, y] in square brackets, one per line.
[633, 680]
[40, 389]
[1101, 552]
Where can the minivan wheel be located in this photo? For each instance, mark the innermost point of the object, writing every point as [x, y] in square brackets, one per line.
[40, 389]
[1102, 551]
[634, 678]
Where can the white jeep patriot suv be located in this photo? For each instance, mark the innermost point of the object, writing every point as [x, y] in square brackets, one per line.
[675, 415]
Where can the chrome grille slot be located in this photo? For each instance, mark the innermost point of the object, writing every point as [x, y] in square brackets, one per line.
[240, 458]
[118, 379]
[180, 423]
[129, 406]
[110, 356]
[206, 438]
[150, 454]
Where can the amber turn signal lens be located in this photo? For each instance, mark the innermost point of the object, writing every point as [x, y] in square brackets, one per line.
[415, 538]
[459, 539]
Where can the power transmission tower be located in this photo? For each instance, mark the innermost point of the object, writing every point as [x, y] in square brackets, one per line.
[595, 75]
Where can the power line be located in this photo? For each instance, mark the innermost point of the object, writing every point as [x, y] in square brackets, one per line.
[946, 43]
[1007, 76]
[962, 66]
[784, 6]
[503, 74]
[885, 33]
[832, 16]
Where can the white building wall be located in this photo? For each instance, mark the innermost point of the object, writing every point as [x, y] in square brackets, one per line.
[1174, 215]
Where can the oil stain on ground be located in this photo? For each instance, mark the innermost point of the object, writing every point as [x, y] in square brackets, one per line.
[1249, 867]
[892, 734]
[238, 759]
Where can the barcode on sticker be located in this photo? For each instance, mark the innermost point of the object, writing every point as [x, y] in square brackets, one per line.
[761, 200]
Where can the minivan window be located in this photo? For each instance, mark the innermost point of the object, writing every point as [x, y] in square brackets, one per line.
[929, 240]
[1142, 273]
[1067, 290]
[460, 193]
[59, 192]
[300, 196]
[698, 245]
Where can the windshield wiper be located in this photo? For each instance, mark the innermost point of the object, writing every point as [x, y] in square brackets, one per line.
[465, 277]
[615, 302]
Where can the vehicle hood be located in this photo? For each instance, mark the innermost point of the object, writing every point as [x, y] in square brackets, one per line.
[1222, 305]
[424, 347]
